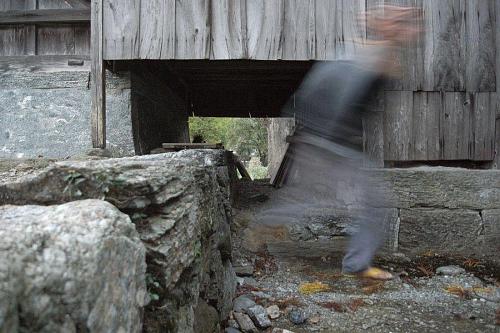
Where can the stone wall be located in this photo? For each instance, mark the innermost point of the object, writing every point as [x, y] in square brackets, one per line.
[179, 203]
[437, 209]
[47, 113]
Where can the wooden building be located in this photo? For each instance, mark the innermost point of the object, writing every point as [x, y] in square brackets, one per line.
[246, 57]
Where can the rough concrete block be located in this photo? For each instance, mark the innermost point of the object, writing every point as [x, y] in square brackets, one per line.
[440, 230]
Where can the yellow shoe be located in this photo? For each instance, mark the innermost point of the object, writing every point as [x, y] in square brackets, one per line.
[372, 273]
[376, 274]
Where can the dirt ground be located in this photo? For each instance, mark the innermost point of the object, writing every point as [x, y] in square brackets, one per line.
[417, 300]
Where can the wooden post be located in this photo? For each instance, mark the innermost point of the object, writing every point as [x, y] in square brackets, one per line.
[98, 78]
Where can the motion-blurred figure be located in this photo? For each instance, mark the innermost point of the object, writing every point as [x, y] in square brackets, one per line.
[326, 148]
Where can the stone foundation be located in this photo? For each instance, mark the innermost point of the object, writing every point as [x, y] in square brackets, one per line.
[437, 209]
[179, 203]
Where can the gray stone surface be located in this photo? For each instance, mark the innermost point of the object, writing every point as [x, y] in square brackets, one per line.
[206, 318]
[451, 270]
[273, 311]
[242, 303]
[441, 187]
[259, 316]
[441, 231]
[79, 266]
[48, 114]
[246, 324]
[180, 205]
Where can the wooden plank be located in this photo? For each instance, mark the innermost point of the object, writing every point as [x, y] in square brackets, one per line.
[481, 48]
[482, 139]
[44, 16]
[19, 39]
[299, 33]
[121, 29]
[397, 126]
[427, 107]
[410, 56]
[265, 21]
[352, 36]
[41, 64]
[328, 22]
[82, 40]
[98, 77]
[54, 40]
[228, 29]
[6, 5]
[54, 4]
[373, 139]
[192, 26]
[157, 29]
[192, 145]
[444, 45]
[455, 126]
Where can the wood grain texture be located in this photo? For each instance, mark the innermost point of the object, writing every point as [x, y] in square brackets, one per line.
[98, 78]
[481, 47]
[17, 40]
[157, 29]
[121, 29]
[397, 127]
[44, 16]
[353, 33]
[425, 126]
[444, 45]
[455, 126]
[192, 26]
[299, 33]
[373, 139]
[328, 23]
[265, 20]
[482, 140]
[228, 29]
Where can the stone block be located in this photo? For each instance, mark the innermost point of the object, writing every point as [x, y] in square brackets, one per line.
[74, 267]
[440, 230]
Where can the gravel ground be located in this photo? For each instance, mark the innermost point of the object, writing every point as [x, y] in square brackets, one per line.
[417, 300]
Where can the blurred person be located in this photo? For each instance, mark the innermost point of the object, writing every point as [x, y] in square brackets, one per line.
[326, 148]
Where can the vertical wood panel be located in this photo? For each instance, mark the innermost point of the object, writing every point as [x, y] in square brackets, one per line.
[482, 140]
[192, 26]
[455, 126]
[481, 49]
[19, 39]
[228, 29]
[121, 29]
[353, 33]
[157, 29]
[58, 39]
[98, 77]
[299, 40]
[328, 23]
[425, 126]
[397, 127]
[373, 139]
[265, 21]
[444, 45]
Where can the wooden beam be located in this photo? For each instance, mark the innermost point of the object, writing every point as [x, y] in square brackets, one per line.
[98, 75]
[44, 16]
[51, 63]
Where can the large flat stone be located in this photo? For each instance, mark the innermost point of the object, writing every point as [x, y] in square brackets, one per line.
[440, 187]
[79, 266]
[441, 231]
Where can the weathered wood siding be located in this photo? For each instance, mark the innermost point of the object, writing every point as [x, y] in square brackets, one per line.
[46, 38]
[231, 29]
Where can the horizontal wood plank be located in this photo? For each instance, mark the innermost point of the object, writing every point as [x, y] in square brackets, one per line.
[44, 16]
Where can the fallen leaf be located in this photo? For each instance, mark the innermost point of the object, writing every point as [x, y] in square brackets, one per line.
[373, 287]
[338, 307]
[292, 301]
[355, 304]
[471, 263]
[497, 317]
[427, 270]
[313, 288]
[459, 291]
